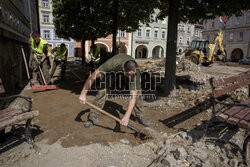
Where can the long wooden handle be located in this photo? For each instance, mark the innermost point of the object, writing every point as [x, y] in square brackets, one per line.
[25, 62]
[75, 74]
[109, 115]
[102, 111]
[41, 72]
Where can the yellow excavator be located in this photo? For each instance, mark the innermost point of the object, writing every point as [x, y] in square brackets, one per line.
[201, 51]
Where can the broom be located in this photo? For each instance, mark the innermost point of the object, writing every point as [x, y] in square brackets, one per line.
[77, 76]
[26, 66]
[45, 86]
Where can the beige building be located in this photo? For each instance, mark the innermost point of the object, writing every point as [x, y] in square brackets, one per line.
[236, 34]
[187, 33]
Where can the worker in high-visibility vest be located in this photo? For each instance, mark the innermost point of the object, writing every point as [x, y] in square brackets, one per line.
[60, 54]
[40, 51]
[95, 56]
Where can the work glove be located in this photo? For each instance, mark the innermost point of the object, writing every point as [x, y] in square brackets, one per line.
[39, 63]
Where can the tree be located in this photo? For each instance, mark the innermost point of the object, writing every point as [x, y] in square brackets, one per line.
[92, 19]
[127, 15]
[191, 11]
[80, 20]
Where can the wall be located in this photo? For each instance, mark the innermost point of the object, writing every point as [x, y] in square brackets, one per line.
[14, 32]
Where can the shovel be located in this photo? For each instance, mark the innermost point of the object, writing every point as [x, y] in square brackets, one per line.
[141, 135]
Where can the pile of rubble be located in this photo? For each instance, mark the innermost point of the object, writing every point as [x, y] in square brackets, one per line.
[184, 149]
[186, 65]
[153, 65]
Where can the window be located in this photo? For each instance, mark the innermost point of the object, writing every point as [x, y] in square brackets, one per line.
[208, 37]
[180, 39]
[164, 21]
[188, 40]
[45, 3]
[197, 33]
[231, 36]
[179, 26]
[241, 36]
[45, 18]
[188, 30]
[46, 34]
[156, 19]
[248, 16]
[148, 33]
[156, 34]
[221, 24]
[139, 33]
[123, 34]
[212, 24]
[237, 21]
[163, 34]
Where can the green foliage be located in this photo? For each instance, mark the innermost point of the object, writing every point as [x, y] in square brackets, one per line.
[92, 19]
[79, 19]
[133, 12]
[194, 10]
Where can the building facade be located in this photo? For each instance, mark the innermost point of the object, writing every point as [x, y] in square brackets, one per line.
[47, 29]
[236, 34]
[17, 20]
[150, 41]
[187, 33]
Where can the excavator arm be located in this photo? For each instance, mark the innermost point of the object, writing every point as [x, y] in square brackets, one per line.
[218, 39]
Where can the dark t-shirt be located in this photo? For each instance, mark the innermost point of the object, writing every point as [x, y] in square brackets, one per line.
[115, 64]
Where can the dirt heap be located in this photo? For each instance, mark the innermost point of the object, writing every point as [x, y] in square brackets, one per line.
[152, 65]
[186, 65]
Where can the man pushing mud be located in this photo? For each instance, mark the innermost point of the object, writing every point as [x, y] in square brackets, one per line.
[127, 66]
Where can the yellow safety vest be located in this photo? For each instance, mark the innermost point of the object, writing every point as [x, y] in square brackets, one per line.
[96, 55]
[61, 55]
[38, 48]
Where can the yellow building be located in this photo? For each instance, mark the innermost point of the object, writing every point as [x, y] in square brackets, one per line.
[47, 28]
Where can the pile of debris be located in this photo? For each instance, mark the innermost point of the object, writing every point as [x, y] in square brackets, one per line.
[153, 65]
[186, 149]
[184, 64]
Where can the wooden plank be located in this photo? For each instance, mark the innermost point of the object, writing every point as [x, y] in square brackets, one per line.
[233, 120]
[19, 118]
[6, 110]
[244, 124]
[242, 113]
[233, 110]
[227, 89]
[224, 81]
[222, 117]
[247, 118]
[10, 114]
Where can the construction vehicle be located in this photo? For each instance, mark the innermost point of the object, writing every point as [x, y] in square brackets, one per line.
[201, 51]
